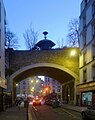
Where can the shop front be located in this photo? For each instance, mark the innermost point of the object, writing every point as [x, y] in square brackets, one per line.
[87, 93]
[2, 89]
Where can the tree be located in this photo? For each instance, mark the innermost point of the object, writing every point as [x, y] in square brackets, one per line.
[73, 34]
[11, 40]
[30, 37]
[61, 43]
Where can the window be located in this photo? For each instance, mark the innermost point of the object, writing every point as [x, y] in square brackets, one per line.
[93, 72]
[84, 75]
[0, 11]
[48, 79]
[93, 51]
[24, 87]
[0, 38]
[86, 98]
[58, 90]
[84, 21]
[84, 58]
[24, 82]
[84, 40]
[93, 9]
[59, 86]
[93, 31]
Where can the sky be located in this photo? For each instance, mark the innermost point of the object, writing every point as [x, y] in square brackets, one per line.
[44, 15]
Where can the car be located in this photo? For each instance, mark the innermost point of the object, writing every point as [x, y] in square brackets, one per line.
[37, 101]
[48, 102]
[88, 113]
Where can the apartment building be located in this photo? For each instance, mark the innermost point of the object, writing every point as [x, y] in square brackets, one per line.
[2, 52]
[29, 86]
[54, 86]
[86, 89]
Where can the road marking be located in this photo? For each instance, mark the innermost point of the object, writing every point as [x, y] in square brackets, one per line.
[71, 114]
[35, 108]
[67, 113]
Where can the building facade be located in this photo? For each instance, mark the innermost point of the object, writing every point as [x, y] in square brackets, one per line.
[30, 86]
[53, 86]
[2, 52]
[86, 89]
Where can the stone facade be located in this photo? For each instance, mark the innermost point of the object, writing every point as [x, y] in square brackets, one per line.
[19, 59]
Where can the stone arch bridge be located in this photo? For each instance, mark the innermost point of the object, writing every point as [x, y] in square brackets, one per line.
[56, 63]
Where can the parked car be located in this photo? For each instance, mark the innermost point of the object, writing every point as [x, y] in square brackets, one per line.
[37, 101]
[88, 113]
[48, 102]
[55, 103]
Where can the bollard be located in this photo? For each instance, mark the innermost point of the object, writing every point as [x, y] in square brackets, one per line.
[27, 104]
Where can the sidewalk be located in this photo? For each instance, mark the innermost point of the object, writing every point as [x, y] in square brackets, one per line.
[14, 113]
[72, 107]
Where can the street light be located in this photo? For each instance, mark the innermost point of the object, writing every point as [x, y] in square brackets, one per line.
[32, 88]
[31, 81]
[16, 84]
[36, 81]
[73, 52]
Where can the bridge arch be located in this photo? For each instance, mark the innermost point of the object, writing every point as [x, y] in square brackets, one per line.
[52, 70]
[37, 69]
[58, 64]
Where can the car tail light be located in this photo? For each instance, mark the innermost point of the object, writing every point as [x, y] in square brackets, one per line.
[33, 100]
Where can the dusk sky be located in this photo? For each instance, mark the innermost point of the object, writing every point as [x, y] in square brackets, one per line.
[45, 15]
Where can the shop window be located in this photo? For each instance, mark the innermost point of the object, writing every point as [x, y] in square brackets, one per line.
[84, 75]
[86, 98]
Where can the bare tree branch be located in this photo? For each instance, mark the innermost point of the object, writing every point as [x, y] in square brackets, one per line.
[11, 40]
[30, 37]
[73, 34]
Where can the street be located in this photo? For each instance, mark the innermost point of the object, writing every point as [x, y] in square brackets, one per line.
[45, 112]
